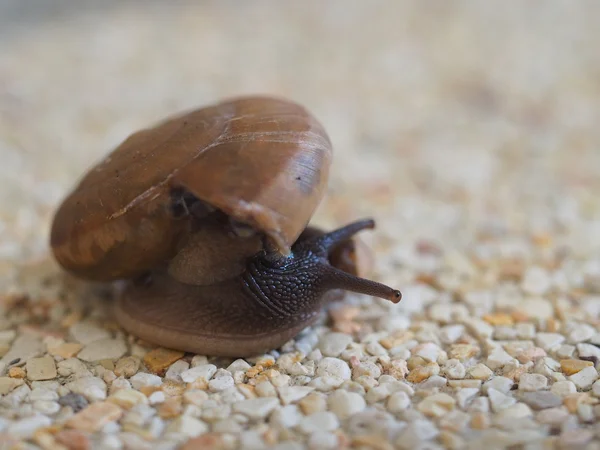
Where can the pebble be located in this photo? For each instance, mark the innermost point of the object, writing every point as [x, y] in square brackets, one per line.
[498, 358]
[141, 380]
[25, 428]
[333, 344]
[158, 360]
[291, 394]
[8, 384]
[576, 438]
[585, 378]
[188, 426]
[76, 402]
[450, 333]
[101, 349]
[333, 367]
[437, 405]
[65, 350]
[463, 352]
[552, 416]
[499, 383]
[454, 369]
[127, 367]
[532, 382]
[588, 351]
[549, 341]
[95, 416]
[200, 372]
[573, 366]
[88, 332]
[256, 408]
[127, 398]
[92, 388]
[345, 404]
[464, 395]
[287, 417]
[319, 421]
[238, 365]
[41, 368]
[596, 388]
[480, 372]
[313, 402]
[500, 401]
[421, 373]
[323, 440]
[73, 439]
[428, 351]
[536, 281]
[416, 433]
[541, 400]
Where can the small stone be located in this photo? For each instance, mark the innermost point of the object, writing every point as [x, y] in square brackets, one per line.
[76, 402]
[464, 395]
[421, 373]
[334, 367]
[549, 341]
[454, 369]
[170, 408]
[333, 344]
[572, 366]
[437, 405]
[566, 351]
[450, 333]
[8, 384]
[188, 426]
[433, 382]
[516, 411]
[195, 397]
[480, 421]
[176, 369]
[463, 352]
[455, 421]
[256, 408]
[499, 401]
[575, 438]
[128, 398]
[156, 398]
[563, 388]
[319, 421]
[73, 439]
[202, 372]
[498, 358]
[141, 379]
[541, 400]
[16, 372]
[461, 384]
[480, 372]
[73, 366]
[416, 433]
[584, 378]
[525, 330]
[287, 417]
[428, 351]
[501, 384]
[552, 416]
[25, 428]
[291, 394]
[220, 384]
[127, 367]
[588, 351]
[532, 382]
[498, 319]
[312, 403]
[159, 359]
[103, 349]
[92, 388]
[95, 416]
[345, 404]
[322, 440]
[88, 332]
[238, 365]
[65, 350]
[366, 368]
[596, 388]
[536, 281]
[41, 368]
[265, 389]
[580, 332]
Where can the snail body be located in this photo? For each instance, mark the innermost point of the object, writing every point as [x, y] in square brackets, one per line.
[207, 215]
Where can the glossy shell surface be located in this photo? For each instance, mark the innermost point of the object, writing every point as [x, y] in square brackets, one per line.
[262, 161]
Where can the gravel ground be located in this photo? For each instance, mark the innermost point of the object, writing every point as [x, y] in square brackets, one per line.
[469, 131]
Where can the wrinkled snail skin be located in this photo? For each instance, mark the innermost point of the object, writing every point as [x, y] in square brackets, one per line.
[206, 215]
[268, 304]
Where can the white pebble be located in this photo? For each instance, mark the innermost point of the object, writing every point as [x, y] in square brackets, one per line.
[220, 384]
[319, 421]
[334, 367]
[291, 394]
[141, 379]
[25, 428]
[397, 402]
[256, 408]
[92, 388]
[499, 401]
[188, 426]
[175, 370]
[345, 404]
[333, 344]
[584, 378]
[563, 388]
[156, 397]
[322, 440]
[202, 371]
[532, 382]
[416, 433]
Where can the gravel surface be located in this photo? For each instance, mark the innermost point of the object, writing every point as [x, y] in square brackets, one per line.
[468, 130]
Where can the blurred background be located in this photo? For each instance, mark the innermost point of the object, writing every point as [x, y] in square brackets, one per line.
[447, 118]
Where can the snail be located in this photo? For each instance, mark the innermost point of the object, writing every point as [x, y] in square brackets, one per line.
[206, 215]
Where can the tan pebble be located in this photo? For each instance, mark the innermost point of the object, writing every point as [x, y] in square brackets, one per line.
[8, 384]
[270, 437]
[371, 441]
[42, 368]
[459, 384]
[16, 372]
[531, 354]
[514, 373]
[462, 352]
[572, 401]
[480, 372]
[415, 361]
[195, 397]
[436, 405]
[66, 350]
[159, 359]
[127, 366]
[247, 390]
[95, 416]
[480, 421]
[451, 441]
[149, 390]
[170, 408]
[208, 441]
[397, 369]
[497, 319]
[45, 440]
[73, 439]
[312, 403]
[107, 364]
[572, 366]
[173, 388]
[552, 325]
[128, 398]
[421, 373]
[200, 383]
